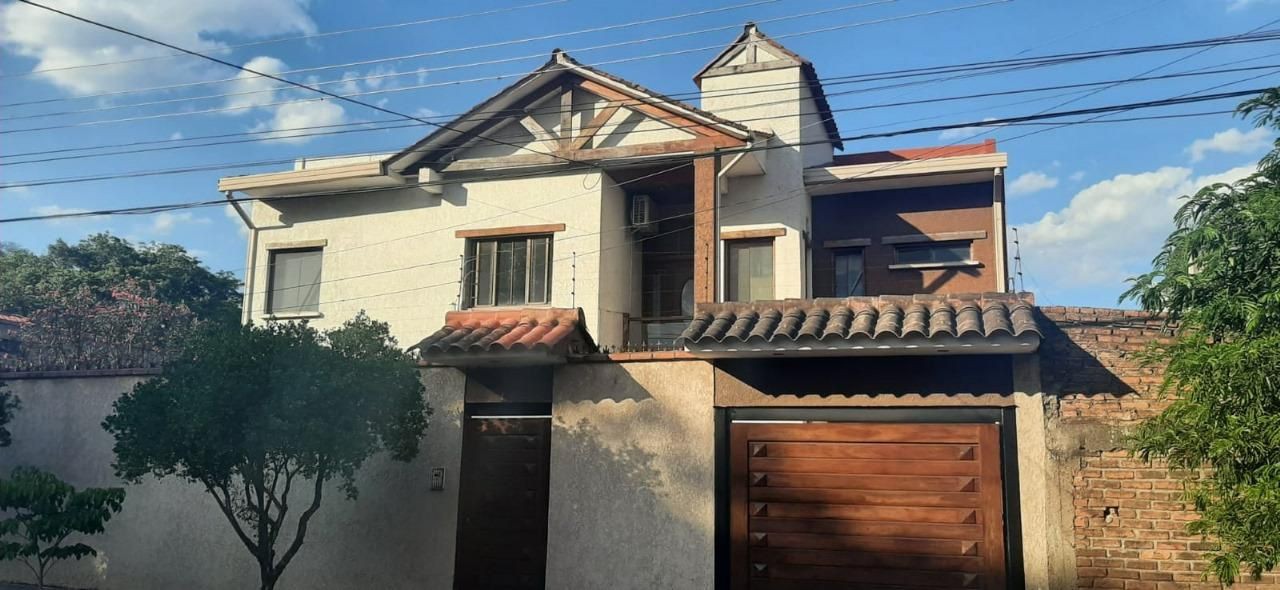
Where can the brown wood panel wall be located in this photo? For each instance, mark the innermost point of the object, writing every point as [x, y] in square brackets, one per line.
[502, 504]
[866, 506]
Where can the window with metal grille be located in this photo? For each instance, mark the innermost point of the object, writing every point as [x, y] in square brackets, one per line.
[295, 281]
[749, 276]
[850, 280]
[934, 252]
[508, 271]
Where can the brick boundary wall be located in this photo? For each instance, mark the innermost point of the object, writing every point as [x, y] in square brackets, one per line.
[1129, 517]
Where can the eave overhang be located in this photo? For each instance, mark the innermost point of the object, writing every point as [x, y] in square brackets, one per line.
[506, 337]
[827, 180]
[989, 323]
[371, 175]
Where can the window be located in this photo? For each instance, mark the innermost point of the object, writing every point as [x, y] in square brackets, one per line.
[295, 281]
[850, 280]
[934, 253]
[750, 270]
[509, 271]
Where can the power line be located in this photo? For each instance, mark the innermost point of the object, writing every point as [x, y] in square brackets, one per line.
[382, 27]
[263, 163]
[273, 77]
[732, 151]
[604, 131]
[472, 80]
[439, 52]
[1020, 63]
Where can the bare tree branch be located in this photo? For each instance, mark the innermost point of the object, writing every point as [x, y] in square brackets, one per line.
[225, 505]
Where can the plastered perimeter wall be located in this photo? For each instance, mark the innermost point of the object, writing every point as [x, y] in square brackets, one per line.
[170, 534]
[632, 499]
[394, 253]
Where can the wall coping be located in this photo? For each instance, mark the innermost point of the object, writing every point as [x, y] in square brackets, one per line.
[70, 374]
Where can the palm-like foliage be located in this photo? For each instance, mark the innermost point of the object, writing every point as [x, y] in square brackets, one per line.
[1218, 277]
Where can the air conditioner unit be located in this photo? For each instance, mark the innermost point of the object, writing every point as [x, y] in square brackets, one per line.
[642, 214]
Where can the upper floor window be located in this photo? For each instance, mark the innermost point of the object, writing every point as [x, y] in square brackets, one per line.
[749, 272]
[509, 271]
[295, 281]
[850, 279]
[934, 252]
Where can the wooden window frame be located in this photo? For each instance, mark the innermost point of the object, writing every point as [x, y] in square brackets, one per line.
[770, 239]
[276, 249]
[836, 253]
[470, 274]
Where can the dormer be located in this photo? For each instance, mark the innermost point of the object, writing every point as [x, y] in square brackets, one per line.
[759, 82]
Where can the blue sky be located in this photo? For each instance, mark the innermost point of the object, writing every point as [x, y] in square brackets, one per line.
[1092, 202]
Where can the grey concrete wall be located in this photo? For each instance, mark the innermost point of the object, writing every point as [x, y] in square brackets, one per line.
[397, 534]
[632, 499]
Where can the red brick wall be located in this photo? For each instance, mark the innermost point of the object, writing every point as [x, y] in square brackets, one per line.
[1129, 516]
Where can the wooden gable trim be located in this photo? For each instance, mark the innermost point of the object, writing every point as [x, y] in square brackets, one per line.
[667, 116]
[593, 127]
[699, 145]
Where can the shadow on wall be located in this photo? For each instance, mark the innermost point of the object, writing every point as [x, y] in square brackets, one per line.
[1067, 367]
[624, 530]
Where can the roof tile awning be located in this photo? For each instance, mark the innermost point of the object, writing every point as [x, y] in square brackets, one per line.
[988, 323]
[531, 336]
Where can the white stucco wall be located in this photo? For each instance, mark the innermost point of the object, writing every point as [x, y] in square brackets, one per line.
[171, 535]
[632, 497]
[776, 199]
[619, 264]
[394, 253]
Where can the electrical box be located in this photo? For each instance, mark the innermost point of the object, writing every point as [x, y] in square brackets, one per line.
[437, 479]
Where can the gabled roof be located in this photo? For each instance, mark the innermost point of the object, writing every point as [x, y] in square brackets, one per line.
[509, 336]
[446, 137]
[924, 153]
[751, 34]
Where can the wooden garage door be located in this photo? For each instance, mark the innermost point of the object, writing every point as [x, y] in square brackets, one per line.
[868, 506]
[502, 504]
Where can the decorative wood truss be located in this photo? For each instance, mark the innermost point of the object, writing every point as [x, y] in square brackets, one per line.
[566, 143]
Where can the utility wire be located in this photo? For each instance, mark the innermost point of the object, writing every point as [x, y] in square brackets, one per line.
[382, 27]
[439, 52]
[270, 76]
[487, 78]
[734, 151]
[853, 78]
[605, 130]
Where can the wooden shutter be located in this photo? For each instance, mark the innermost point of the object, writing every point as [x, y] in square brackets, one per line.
[868, 506]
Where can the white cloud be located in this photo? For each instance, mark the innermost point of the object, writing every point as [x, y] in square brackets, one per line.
[176, 135]
[252, 90]
[1031, 182]
[1231, 141]
[57, 210]
[1110, 230]
[1076, 176]
[1234, 5]
[17, 191]
[964, 133]
[55, 41]
[294, 119]
[163, 223]
[231, 214]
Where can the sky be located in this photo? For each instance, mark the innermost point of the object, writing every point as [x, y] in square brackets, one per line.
[1091, 203]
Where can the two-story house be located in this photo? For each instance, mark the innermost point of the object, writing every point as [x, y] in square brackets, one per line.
[834, 401]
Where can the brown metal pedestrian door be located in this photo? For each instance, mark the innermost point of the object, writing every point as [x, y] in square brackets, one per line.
[867, 506]
[502, 504]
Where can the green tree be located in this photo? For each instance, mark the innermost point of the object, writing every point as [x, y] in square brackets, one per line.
[103, 262]
[1218, 277]
[9, 405]
[253, 413]
[43, 512]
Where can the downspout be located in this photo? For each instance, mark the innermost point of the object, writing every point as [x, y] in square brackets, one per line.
[251, 259]
[721, 180]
